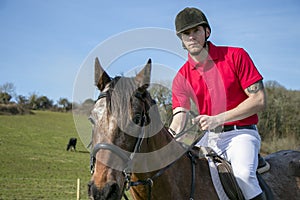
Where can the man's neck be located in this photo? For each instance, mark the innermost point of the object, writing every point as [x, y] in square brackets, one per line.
[202, 56]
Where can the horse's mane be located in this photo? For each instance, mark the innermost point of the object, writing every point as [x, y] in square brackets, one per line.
[119, 94]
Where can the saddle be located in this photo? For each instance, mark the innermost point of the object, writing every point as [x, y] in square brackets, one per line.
[227, 178]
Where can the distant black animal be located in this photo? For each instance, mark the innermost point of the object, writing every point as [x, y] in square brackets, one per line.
[72, 144]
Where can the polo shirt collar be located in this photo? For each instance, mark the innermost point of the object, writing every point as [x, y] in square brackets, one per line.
[212, 55]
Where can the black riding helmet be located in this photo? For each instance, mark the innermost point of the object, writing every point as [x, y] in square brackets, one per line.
[190, 18]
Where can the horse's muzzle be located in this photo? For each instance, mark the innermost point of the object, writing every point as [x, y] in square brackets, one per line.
[110, 191]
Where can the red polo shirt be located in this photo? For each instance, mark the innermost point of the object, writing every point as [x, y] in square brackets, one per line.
[218, 84]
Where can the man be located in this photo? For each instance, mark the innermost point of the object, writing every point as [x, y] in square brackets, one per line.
[227, 90]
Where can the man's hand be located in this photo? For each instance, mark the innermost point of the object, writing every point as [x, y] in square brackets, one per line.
[206, 122]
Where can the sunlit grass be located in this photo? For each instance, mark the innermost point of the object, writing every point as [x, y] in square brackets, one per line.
[36, 165]
[34, 160]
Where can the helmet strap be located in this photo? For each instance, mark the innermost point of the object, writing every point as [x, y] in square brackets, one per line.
[204, 45]
[183, 46]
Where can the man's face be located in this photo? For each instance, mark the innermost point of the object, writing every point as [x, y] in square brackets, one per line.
[194, 39]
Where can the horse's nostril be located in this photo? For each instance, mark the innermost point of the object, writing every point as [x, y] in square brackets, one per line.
[111, 191]
[90, 184]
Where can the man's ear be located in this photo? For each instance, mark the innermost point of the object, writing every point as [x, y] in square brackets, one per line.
[207, 32]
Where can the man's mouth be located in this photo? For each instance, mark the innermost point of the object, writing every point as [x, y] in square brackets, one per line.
[193, 45]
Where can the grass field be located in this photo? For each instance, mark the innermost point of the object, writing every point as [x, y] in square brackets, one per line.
[34, 160]
[35, 163]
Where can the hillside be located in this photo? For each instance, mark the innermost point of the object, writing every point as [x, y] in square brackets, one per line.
[34, 160]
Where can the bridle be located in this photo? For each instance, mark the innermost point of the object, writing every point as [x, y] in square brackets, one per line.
[143, 119]
[115, 149]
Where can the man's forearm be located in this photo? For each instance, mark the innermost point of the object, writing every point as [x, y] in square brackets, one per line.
[179, 116]
[252, 105]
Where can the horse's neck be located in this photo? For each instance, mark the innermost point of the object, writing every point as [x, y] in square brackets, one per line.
[161, 146]
[157, 141]
[175, 164]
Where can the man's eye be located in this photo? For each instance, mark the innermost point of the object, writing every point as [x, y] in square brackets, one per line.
[198, 30]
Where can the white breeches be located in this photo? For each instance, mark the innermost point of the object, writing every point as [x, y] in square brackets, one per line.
[240, 148]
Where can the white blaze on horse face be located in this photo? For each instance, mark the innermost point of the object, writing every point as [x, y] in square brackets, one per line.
[104, 125]
[104, 131]
[98, 115]
[99, 109]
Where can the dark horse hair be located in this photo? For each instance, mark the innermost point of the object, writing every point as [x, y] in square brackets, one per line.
[119, 98]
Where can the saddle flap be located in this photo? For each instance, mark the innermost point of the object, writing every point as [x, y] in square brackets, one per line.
[227, 179]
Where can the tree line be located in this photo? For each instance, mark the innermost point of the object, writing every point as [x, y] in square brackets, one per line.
[280, 118]
[282, 115]
[33, 102]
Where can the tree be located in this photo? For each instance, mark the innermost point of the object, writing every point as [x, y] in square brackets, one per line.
[33, 101]
[65, 104]
[44, 103]
[282, 114]
[8, 88]
[7, 91]
[22, 100]
[4, 97]
[36, 103]
[163, 97]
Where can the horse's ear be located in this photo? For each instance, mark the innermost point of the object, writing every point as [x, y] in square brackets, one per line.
[101, 77]
[143, 77]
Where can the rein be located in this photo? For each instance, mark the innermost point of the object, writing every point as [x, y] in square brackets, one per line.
[149, 181]
[183, 131]
[128, 159]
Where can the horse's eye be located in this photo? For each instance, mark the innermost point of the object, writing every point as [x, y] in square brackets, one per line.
[92, 120]
[137, 118]
[138, 95]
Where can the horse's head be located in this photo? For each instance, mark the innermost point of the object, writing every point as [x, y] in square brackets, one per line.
[118, 117]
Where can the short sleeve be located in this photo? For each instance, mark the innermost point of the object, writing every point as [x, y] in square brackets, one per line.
[180, 92]
[246, 70]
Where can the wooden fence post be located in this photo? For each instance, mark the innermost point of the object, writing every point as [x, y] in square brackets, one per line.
[78, 188]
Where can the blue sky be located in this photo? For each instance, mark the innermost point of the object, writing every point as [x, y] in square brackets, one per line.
[43, 43]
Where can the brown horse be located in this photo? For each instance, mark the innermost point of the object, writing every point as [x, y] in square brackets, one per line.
[133, 150]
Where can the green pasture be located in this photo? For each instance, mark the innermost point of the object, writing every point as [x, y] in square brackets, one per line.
[34, 160]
